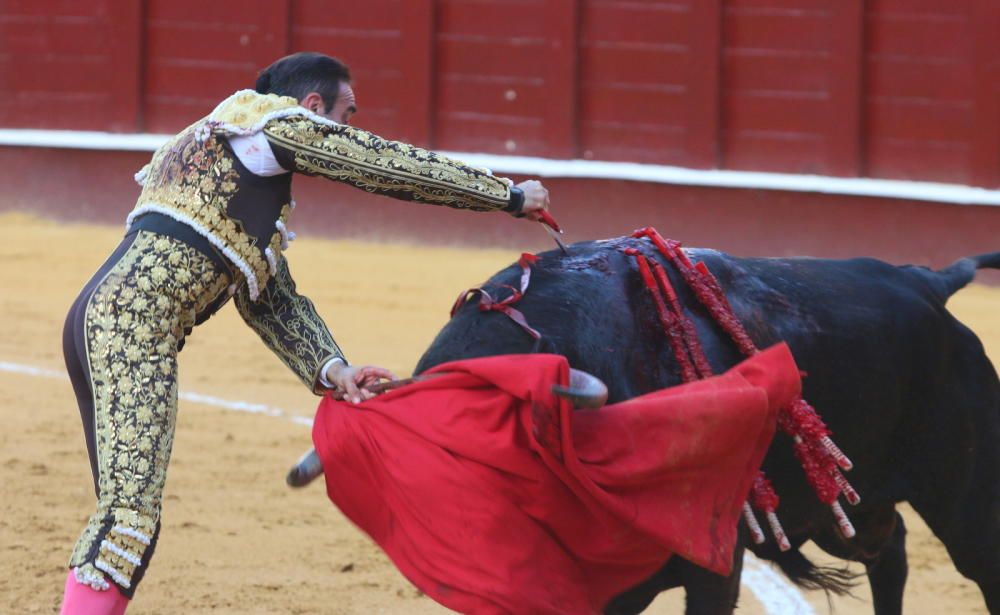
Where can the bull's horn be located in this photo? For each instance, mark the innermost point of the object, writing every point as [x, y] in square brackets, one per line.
[584, 390]
[305, 471]
[309, 466]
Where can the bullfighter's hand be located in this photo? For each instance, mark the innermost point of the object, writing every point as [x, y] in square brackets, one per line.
[536, 198]
[351, 382]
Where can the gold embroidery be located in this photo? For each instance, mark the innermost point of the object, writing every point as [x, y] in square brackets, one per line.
[347, 154]
[246, 108]
[193, 176]
[288, 323]
[134, 321]
[197, 179]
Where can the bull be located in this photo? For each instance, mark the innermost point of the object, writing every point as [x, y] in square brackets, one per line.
[907, 390]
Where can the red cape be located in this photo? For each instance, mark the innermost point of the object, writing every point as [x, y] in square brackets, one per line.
[493, 496]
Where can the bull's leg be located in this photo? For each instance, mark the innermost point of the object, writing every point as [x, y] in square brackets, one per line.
[707, 593]
[637, 599]
[880, 544]
[956, 470]
[991, 591]
[887, 573]
[972, 545]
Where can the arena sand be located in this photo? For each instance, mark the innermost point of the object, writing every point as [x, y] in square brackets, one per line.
[235, 539]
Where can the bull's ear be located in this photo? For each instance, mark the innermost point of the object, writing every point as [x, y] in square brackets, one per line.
[584, 390]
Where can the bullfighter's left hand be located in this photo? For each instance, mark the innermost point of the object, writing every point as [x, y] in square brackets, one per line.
[351, 382]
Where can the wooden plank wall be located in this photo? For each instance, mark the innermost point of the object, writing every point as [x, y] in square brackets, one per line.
[906, 89]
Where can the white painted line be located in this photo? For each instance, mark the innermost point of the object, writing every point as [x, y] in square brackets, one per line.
[586, 169]
[28, 370]
[197, 398]
[775, 593]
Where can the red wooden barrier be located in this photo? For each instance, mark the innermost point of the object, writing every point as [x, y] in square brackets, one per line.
[905, 89]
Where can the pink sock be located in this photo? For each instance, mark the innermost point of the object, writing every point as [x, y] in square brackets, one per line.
[80, 599]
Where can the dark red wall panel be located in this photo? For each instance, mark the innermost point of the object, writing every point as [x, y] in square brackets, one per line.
[368, 38]
[637, 69]
[199, 52]
[906, 89]
[921, 89]
[770, 123]
[490, 61]
[69, 65]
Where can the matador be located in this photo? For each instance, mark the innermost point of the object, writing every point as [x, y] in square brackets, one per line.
[210, 225]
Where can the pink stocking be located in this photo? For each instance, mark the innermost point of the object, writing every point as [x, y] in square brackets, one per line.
[80, 599]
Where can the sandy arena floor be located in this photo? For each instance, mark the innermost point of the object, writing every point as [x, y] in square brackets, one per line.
[235, 539]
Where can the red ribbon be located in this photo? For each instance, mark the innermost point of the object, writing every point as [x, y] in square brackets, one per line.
[488, 304]
[821, 460]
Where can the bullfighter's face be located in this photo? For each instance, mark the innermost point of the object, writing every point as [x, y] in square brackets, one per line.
[345, 106]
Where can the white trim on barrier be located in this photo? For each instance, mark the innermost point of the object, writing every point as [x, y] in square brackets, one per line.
[584, 169]
[776, 595]
[82, 139]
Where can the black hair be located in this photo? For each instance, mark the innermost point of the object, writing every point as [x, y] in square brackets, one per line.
[301, 73]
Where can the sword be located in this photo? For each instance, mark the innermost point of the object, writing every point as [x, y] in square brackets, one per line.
[552, 228]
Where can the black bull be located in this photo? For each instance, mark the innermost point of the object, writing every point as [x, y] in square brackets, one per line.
[907, 390]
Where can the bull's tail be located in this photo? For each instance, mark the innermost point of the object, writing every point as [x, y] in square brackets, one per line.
[954, 277]
[807, 575]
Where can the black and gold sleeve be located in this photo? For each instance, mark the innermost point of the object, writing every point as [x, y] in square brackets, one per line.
[364, 160]
[288, 323]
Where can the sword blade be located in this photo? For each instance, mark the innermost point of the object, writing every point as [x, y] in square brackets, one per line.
[555, 236]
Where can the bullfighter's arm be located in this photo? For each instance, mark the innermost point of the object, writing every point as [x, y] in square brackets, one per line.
[364, 160]
[291, 328]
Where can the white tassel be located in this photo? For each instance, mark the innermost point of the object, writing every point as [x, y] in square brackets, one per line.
[118, 577]
[846, 528]
[283, 231]
[756, 533]
[845, 487]
[92, 580]
[122, 553]
[842, 460]
[131, 533]
[272, 262]
[202, 133]
[140, 177]
[778, 531]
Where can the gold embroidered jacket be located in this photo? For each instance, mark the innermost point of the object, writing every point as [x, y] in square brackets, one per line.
[289, 324]
[195, 178]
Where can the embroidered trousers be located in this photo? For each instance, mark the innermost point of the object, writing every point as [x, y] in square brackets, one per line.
[120, 342]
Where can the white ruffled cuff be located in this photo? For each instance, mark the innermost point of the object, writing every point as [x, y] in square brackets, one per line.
[326, 366]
